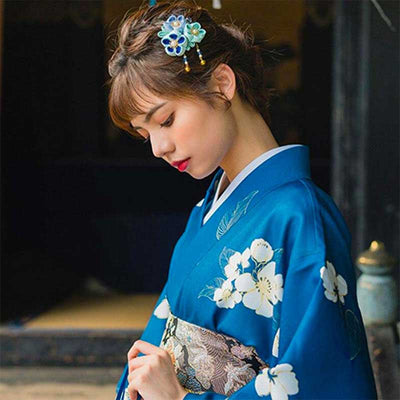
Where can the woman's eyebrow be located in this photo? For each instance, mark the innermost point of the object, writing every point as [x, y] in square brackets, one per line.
[150, 114]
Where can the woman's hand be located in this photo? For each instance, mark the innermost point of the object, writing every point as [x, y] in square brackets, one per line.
[152, 375]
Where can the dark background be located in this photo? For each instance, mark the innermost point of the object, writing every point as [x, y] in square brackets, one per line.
[80, 199]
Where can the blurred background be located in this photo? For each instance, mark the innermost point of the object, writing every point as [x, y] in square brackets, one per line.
[89, 217]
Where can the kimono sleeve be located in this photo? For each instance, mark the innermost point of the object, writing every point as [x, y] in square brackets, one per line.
[322, 338]
[321, 350]
[152, 333]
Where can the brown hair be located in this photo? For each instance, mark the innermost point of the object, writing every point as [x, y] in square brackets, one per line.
[140, 61]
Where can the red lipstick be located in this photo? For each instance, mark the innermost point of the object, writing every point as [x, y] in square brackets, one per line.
[181, 165]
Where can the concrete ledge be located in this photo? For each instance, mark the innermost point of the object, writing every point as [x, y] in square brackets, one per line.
[65, 347]
[77, 375]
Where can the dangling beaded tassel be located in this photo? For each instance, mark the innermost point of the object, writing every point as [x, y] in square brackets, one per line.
[202, 62]
[185, 60]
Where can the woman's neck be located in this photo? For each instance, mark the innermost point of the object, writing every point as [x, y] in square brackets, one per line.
[252, 138]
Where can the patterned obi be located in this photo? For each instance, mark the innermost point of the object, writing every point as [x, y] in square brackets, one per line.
[205, 360]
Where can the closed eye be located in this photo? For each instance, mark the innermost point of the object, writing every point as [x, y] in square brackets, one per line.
[166, 123]
[169, 121]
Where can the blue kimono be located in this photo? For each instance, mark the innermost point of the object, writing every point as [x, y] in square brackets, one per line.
[260, 301]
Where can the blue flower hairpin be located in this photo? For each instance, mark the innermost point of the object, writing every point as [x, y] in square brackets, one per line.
[178, 35]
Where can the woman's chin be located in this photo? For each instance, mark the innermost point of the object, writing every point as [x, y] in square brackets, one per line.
[200, 174]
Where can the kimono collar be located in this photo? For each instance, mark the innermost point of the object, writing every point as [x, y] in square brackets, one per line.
[285, 166]
[217, 201]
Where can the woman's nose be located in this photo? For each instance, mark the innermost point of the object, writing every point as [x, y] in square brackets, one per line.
[161, 144]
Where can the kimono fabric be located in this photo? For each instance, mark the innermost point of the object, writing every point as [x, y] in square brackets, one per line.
[260, 300]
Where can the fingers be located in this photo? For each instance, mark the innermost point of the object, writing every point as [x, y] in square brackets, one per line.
[133, 352]
[138, 362]
[140, 346]
[132, 393]
[150, 373]
[136, 381]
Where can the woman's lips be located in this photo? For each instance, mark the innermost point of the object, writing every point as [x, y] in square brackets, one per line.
[181, 165]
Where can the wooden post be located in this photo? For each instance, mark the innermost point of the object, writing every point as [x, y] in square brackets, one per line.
[365, 123]
[365, 155]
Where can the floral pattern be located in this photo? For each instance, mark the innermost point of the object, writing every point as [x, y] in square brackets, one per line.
[275, 345]
[175, 44]
[336, 289]
[226, 296]
[194, 33]
[205, 360]
[278, 382]
[174, 23]
[334, 284]
[258, 290]
[261, 251]
[353, 328]
[162, 310]
[178, 34]
[262, 292]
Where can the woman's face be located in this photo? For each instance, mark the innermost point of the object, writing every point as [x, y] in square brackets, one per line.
[185, 129]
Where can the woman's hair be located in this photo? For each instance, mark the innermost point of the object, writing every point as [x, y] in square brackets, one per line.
[140, 61]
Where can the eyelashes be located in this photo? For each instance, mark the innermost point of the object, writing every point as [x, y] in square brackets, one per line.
[169, 121]
[166, 123]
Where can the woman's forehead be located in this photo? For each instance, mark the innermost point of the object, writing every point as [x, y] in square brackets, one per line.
[146, 105]
[145, 100]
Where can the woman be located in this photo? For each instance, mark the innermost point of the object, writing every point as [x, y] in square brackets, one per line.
[260, 298]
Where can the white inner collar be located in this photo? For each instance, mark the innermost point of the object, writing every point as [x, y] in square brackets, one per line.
[219, 200]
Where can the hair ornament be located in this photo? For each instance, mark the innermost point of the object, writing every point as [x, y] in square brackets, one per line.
[178, 35]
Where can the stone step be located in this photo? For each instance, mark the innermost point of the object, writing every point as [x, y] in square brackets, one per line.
[51, 383]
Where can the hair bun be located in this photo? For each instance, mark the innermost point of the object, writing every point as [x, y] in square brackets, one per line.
[117, 62]
[151, 69]
[244, 38]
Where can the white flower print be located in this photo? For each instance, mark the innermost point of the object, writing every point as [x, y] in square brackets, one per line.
[162, 310]
[236, 258]
[245, 258]
[335, 285]
[200, 203]
[275, 345]
[279, 382]
[226, 296]
[262, 294]
[231, 269]
[277, 285]
[259, 289]
[261, 251]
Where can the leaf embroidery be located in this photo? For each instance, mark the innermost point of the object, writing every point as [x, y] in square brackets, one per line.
[335, 290]
[354, 333]
[260, 290]
[209, 290]
[228, 220]
[224, 257]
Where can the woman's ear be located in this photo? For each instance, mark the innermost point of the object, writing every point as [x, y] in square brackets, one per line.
[223, 80]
